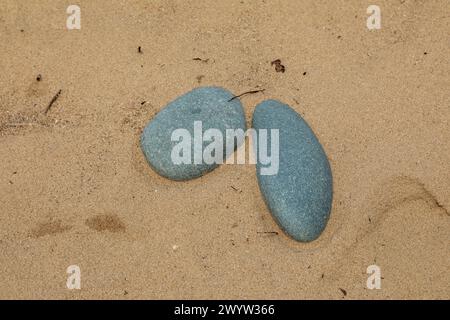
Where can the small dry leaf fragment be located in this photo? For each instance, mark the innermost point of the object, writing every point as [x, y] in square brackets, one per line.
[278, 66]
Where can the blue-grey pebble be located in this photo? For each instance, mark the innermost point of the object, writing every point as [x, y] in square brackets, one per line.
[300, 195]
[213, 106]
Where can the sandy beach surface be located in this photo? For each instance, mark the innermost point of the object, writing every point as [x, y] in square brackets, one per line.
[75, 188]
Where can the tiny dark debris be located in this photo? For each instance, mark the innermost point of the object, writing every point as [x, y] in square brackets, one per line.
[278, 66]
[139, 49]
[344, 292]
[39, 77]
[304, 73]
[425, 53]
[200, 78]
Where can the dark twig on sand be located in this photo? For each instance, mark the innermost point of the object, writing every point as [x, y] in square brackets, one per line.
[268, 232]
[201, 60]
[236, 189]
[344, 292]
[248, 92]
[55, 97]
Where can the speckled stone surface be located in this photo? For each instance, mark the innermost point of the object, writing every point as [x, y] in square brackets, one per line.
[210, 105]
[300, 195]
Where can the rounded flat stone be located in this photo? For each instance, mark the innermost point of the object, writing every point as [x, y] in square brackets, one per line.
[299, 196]
[213, 107]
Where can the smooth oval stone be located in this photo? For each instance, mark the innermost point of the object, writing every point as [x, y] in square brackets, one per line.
[214, 107]
[299, 196]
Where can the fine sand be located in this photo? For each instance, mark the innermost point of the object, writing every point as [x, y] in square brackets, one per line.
[75, 188]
